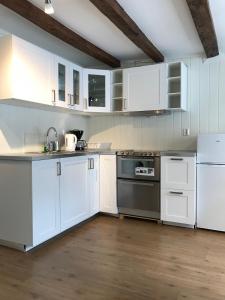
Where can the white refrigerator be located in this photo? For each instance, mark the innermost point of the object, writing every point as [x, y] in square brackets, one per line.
[211, 181]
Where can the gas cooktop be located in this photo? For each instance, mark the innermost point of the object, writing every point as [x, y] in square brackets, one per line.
[138, 153]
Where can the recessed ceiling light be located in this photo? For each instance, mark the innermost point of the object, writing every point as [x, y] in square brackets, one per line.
[48, 7]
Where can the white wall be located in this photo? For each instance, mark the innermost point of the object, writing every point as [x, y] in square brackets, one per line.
[206, 113]
[24, 129]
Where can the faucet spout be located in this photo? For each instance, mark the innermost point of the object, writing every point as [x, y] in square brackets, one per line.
[52, 145]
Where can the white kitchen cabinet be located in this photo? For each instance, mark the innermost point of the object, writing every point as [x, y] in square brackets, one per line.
[62, 82]
[178, 206]
[178, 172]
[76, 87]
[26, 71]
[144, 88]
[48, 197]
[97, 90]
[93, 184]
[177, 78]
[68, 84]
[108, 187]
[29, 206]
[74, 200]
[45, 199]
[178, 189]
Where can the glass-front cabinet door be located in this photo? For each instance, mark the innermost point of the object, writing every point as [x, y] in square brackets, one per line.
[76, 87]
[68, 84]
[61, 94]
[97, 90]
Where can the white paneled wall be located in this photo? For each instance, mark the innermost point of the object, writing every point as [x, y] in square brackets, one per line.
[24, 129]
[206, 113]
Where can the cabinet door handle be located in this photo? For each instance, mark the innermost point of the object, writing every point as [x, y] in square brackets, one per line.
[54, 100]
[86, 103]
[59, 170]
[177, 159]
[69, 99]
[124, 103]
[92, 163]
[72, 100]
[176, 193]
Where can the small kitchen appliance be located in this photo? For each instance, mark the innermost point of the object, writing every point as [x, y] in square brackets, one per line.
[70, 142]
[81, 144]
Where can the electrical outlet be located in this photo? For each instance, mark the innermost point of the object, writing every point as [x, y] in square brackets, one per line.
[186, 131]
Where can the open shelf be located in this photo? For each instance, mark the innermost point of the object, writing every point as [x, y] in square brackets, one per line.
[174, 70]
[177, 86]
[174, 78]
[117, 104]
[117, 90]
[117, 84]
[174, 100]
[117, 76]
[174, 86]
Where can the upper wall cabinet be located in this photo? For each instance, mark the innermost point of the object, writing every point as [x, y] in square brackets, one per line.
[67, 84]
[32, 74]
[26, 71]
[144, 88]
[177, 86]
[97, 90]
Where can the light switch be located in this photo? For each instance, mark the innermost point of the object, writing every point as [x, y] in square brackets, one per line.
[186, 131]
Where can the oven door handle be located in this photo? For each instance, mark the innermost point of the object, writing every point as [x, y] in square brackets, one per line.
[135, 158]
[138, 182]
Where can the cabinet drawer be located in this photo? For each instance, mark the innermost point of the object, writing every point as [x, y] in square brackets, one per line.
[178, 173]
[178, 206]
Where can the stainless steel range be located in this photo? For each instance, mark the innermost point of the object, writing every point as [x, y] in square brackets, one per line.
[138, 183]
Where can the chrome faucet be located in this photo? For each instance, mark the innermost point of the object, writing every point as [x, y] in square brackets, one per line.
[52, 145]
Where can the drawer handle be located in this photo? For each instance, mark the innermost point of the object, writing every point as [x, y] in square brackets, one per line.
[54, 99]
[177, 193]
[177, 159]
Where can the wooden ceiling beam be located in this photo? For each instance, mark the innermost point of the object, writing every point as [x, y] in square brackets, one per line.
[116, 14]
[35, 15]
[202, 18]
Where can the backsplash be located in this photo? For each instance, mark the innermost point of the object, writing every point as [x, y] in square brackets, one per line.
[24, 129]
[206, 113]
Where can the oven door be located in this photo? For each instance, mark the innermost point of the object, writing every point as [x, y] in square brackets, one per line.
[139, 198]
[143, 168]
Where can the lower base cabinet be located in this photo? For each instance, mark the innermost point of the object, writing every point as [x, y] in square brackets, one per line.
[178, 189]
[108, 187]
[74, 202]
[40, 199]
[178, 206]
[45, 201]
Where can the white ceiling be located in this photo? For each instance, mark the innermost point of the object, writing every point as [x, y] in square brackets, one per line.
[167, 23]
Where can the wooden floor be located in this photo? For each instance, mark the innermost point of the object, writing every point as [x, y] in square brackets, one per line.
[109, 258]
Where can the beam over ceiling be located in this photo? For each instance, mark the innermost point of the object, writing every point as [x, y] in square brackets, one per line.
[115, 13]
[52, 26]
[202, 18]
